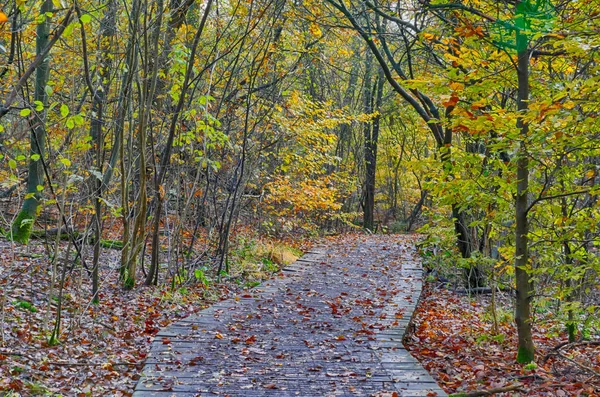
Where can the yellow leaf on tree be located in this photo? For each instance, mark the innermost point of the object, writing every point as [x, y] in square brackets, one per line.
[457, 86]
[590, 174]
[315, 30]
[3, 17]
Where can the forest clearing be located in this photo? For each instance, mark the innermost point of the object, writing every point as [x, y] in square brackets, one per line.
[163, 162]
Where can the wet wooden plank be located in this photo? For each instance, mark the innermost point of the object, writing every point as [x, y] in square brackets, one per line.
[298, 333]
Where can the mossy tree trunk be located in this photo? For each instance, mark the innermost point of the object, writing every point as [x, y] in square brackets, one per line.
[368, 201]
[22, 225]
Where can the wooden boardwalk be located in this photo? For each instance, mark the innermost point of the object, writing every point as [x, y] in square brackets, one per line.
[330, 325]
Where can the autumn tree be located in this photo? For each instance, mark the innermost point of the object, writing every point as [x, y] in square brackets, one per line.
[23, 223]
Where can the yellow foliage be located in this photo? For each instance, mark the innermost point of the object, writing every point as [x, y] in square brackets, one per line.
[304, 185]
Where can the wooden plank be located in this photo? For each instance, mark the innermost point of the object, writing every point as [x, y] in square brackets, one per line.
[287, 333]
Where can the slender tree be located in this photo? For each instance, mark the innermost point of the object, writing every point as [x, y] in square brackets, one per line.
[23, 223]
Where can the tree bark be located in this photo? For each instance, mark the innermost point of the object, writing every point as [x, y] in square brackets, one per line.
[371, 141]
[22, 225]
[166, 156]
[107, 30]
[526, 350]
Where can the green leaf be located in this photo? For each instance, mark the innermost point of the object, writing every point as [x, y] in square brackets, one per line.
[12, 164]
[35, 157]
[70, 124]
[64, 110]
[65, 162]
[68, 30]
[25, 112]
[86, 18]
[39, 106]
[39, 188]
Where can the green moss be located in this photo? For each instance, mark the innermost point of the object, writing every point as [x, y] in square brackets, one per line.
[53, 340]
[24, 305]
[525, 356]
[572, 332]
[129, 283]
[21, 227]
[118, 244]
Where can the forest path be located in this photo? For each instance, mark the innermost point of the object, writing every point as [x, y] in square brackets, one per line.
[330, 325]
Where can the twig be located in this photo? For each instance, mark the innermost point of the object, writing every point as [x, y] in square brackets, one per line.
[488, 392]
[569, 345]
[92, 364]
[105, 326]
[524, 377]
[12, 354]
[584, 367]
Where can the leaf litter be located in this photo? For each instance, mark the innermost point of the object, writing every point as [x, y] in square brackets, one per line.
[102, 347]
[452, 336]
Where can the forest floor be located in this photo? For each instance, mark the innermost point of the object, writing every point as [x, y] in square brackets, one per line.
[103, 347]
[453, 338]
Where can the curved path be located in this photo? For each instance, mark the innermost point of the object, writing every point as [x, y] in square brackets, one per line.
[330, 325]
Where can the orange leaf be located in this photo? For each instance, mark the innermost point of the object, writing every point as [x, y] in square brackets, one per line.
[451, 102]
[3, 17]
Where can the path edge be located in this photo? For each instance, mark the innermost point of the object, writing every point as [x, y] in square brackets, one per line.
[404, 368]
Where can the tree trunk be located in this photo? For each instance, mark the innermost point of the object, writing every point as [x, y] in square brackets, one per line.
[118, 148]
[152, 276]
[371, 156]
[368, 201]
[107, 30]
[526, 350]
[23, 224]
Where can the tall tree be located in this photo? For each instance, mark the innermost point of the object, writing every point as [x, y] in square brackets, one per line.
[23, 223]
[524, 288]
[373, 98]
[99, 93]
